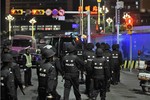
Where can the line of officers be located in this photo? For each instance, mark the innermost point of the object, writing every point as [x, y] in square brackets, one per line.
[101, 68]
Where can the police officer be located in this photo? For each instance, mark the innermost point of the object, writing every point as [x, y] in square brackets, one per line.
[17, 75]
[27, 64]
[79, 53]
[71, 64]
[7, 79]
[46, 77]
[116, 61]
[107, 56]
[99, 74]
[88, 56]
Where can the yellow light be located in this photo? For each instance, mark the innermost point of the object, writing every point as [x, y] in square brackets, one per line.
[98, 0]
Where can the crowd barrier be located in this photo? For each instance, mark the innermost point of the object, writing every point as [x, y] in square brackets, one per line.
[133, 64]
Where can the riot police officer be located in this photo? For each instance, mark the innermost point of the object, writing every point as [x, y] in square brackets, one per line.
[79, 53]
[99, 74]
[107, 56]
[71, 64]
[7, 79]
[17, 75]
[88, 56]
[116, 61]
[46, 77]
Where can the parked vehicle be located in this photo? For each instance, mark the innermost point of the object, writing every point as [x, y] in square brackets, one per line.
[60, 43]
[144, 77]
[20, 42]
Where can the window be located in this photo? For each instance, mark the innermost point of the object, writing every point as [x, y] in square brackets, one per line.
[22, 43]
[56, 27]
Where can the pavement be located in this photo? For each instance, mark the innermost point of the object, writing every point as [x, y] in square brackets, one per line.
[127, 89]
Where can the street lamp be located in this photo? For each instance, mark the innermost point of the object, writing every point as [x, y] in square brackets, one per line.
[98, 14]
[32, 21]
[125, 16]
[109, 21]
[104, 10]
[9, 18]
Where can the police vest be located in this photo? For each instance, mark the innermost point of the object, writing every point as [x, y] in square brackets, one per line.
[98, 68]
[4, 88]
[79, 52]
[44, 70]
[28, 60]
[70, 65]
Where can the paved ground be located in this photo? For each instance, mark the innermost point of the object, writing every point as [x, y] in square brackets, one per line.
[127, 89]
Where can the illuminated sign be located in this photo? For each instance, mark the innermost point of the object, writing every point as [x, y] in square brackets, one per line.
[93, 10]
[38, 11]
[17, 11]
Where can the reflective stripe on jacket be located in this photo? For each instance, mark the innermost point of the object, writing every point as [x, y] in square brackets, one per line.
[28, 60]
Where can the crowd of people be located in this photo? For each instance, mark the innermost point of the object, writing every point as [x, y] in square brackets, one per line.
[100, 66]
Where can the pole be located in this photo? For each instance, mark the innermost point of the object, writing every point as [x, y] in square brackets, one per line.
[32, 30]
[130, 51]
[9, 29]
[82, 17]
[113, 26]
[88, 24]
[99, 19]
[117, 14]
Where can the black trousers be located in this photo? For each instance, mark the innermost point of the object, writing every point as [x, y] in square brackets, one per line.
[27, 76]
[72, 81]
[42, 93]
[116, 75]
[88, 84]
[99, 87]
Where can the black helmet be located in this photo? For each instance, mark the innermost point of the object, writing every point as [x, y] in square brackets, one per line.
[70, 48]
[90, 46]
[98, 45]
[114, 46]
[107, 46]
[7, 57]
[48, 53]
[99, 52]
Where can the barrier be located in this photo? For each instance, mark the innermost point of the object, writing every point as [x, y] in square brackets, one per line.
[133, 64]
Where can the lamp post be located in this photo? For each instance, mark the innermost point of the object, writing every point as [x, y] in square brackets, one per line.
[109, 21]
[9, 18]
[32, 21]
[104, 10]
[98, 13]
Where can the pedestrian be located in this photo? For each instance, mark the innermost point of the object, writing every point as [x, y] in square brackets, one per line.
[88, 56]
[100, 74]
[116, 62]
[27, 65]
[71, 64]
[107, 56]
[47, 77]
[7, 79]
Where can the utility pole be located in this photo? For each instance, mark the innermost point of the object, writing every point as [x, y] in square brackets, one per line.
[119, 5]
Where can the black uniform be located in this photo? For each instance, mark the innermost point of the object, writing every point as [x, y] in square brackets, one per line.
[107, 56]
[79, 53]
[88, 56]
[116, 61]
[7, 79]
[17, 76]
[70, 65]
[47, 77]
[100, 73]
